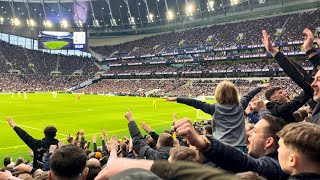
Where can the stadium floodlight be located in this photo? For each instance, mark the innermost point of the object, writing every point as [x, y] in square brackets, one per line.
[210, 5]
[47, 23]
[234, 2]
[15, 22]
[31, 22]
[132, 21]
[113, 22]
[170, 15]
[64, 23]
[79, 23]
[150, 18]
[190, 9]
[96, 23]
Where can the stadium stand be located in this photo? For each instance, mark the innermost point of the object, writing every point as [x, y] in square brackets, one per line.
[38, 62]
[222, 36]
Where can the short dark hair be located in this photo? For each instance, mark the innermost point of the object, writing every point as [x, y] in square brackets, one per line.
[68, 161]
[275, 125]
[168, 131]
[208, 128]
[183, 153]
[166, 139]
[123, 147]
[304, 137]
[19, 160]
[50, 132]
[151, 142]
[6, 161]
[270, 92]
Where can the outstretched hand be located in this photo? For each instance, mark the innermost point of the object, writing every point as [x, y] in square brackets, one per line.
[267, 44]
[264, 86]
[113, 144]
[128, 116]
[70, 138]
[170, 99]
[308, 40]
[146, 127]
[5, 175]
[11, 122]
[94, 138]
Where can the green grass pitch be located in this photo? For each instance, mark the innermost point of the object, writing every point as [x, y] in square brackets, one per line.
[92, 113]
[55, 44]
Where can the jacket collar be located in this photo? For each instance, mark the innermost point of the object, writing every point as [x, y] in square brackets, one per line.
[273, 155]
[309, 176]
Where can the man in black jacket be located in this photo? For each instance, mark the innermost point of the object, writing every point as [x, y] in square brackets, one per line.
[304, 80]
[280, 106]
[164, 143]
[262, 157]
[39, 147]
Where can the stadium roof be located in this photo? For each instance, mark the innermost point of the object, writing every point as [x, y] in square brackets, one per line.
[121, 13]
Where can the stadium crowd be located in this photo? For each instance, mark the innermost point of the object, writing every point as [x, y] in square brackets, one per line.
[28, 61]
[34, 83]
[221, 66]
[179, 87]
[220, 36]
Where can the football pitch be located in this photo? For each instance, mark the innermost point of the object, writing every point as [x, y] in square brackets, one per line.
[92, 113]
[55, 44]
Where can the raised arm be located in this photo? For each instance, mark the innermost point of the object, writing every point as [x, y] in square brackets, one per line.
[164, 170]
[94, 140]
[205, 107]
[291, 68]
[289, 108]
[149, 130]
[104, 140]
[26, 138]
[139, 142]
[246, 98]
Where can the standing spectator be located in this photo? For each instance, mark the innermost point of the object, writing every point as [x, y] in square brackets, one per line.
[38, 147]
[164, 143]
[227, 112]
[279, 105]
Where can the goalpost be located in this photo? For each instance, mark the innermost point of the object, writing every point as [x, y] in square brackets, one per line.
[200, 115]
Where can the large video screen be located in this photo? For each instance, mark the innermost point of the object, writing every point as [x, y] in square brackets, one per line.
[61, 40]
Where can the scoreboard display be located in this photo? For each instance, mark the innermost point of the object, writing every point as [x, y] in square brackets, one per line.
[59, 40]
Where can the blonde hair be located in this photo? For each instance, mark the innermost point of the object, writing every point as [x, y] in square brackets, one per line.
[226, 93]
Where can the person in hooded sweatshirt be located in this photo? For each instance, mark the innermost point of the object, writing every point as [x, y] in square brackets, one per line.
[38, 147]
[227, 112]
